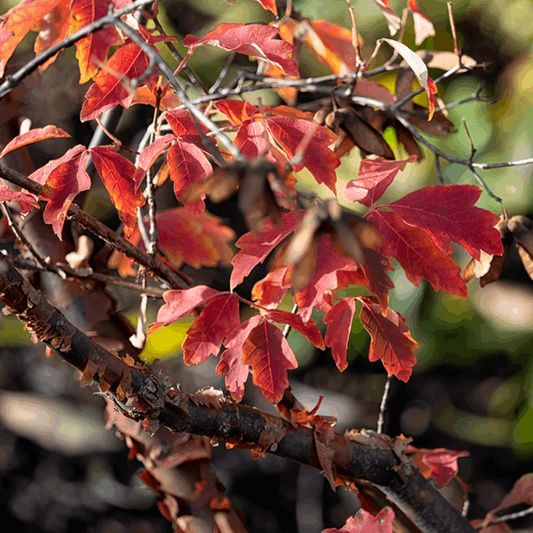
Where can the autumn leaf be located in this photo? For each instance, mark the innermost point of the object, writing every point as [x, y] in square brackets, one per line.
[364, 522]
[339, 321]
[375, 176]
[318, 158]
[252, 139]
[420, 70]
[391, 340]
[237, 111]
[440, 464]
[188, 165]
[318, 293]
[205, 336]
[17, 22]
[447, 213]
[254, 248]
[309, 330]
[41, 174]
[270, 291]
[253, 40]
[92, 50]
[62, 185]
[33, 136]
[231, 364]
[117, 174]
[182, 124]
[27, 200]
[52, 28]
[417, 254]
[270, 356]
[392, 18]
[149, 156]
[330, 44]
[181, 303]
[111, 85]
[423, 26]
[185, 237]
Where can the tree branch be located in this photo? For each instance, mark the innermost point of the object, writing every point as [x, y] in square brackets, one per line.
[376, 471]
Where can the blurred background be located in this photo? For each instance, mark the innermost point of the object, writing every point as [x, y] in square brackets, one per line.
[472, 388]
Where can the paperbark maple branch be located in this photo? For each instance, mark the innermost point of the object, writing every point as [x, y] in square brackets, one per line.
[176, 279]
[372, 467]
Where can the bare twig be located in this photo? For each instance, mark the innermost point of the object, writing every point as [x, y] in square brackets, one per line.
[506, 518]
[456, 48]
[89, 274]
[383, 405]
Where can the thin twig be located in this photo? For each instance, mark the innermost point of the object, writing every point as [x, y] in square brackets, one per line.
[223, 73]
[171, 47]
[383, 405]
[506, 518]
[456, 48]
[88, 274]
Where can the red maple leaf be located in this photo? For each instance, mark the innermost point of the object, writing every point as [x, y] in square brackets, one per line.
[375, 176]
[41, 174]
[111, 85]
[318, 158]
[92, 50]
[17, 22]
[364, 522]
[149, 156]
[252, 139]
[255, 247]
[269, 354]
[180, 303]
[417, 254]
[231, 364]
[318, 293]
[27, 200]
[339, 321]
[423, 26]
[52, 28]
[309, 330]
[33, 136]
[183, 125]
[270, 291]
[237, 111]
[447, 213]
[188, 164]
[333, 45]
[63, 183]
[253, 40]
[185, 237]
[391, 340]
[205, 336]
[440, 464]
[117, 174]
